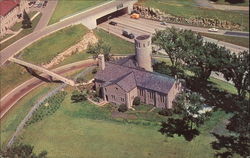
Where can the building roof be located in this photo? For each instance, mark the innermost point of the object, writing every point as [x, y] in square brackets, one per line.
[129, 77]
[7, 5]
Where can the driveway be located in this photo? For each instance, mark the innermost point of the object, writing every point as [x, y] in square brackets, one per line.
[47, 12]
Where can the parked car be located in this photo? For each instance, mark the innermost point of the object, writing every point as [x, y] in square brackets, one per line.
[213, 30]
[135, 16]
[113, 23]
[128, 34]
[45, 3]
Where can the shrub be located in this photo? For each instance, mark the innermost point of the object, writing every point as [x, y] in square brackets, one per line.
[94, 71]
[78, 97]
[137, 101]
[166, 112]
[122, 108]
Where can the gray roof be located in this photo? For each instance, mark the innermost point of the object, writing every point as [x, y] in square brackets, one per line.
[129, 77]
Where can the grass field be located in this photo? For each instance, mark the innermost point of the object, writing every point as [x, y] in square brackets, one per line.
[244, 42]
[66, 8]
[12, 119]
[41, 51]
[188, 8]
[118, 45]
[84, 130]
[22, 33]
[45, 50]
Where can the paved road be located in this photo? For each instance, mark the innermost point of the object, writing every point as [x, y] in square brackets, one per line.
[142, 26]
[46, 14]
[9, 100]
[29, 39]
[145, 29]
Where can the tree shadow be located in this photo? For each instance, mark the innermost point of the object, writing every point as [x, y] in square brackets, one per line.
[232, 144]
[178, 127]
[48, 79]
[213, 95]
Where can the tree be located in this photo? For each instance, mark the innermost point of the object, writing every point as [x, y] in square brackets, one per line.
[191, 108]
[26, 23]
[22, 151]
[237, 70]
[202, 60]
[176, 42]
[169, 40]
[100, 48]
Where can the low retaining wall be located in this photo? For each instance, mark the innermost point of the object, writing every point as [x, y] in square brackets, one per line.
[156, 14]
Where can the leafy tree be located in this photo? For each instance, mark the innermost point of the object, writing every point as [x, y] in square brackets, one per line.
[190, 106]
[176, 42]
[22, 151]
[202, 60]
[237, 70]
[100, 48]
[170, 41]
[163, 68]
[26, 23]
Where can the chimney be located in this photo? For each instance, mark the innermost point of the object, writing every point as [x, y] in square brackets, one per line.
[101, 61]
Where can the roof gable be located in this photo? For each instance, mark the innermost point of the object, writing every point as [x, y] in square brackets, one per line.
[127, 77]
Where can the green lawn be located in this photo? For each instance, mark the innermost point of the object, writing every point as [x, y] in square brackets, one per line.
[118, 45]
[12, 119]
[66, 8]
[244, 42]
[23, 33]
[40, 52]
[44, 50]
[85, 130]
[188, 8]
[18, 25]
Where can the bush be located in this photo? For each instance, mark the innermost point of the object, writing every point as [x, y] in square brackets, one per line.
[78, 97]
[94, 71]
[166, 112]
[122, 108]
[137, 101]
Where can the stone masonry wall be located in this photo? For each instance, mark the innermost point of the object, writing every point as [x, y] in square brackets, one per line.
[156, 14]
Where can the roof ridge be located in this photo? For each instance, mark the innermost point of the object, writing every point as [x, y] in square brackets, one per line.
[139, 69]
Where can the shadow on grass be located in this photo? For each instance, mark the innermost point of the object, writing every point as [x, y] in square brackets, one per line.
[213, 95]
[45, 79]
[179, 127]
[232, 144]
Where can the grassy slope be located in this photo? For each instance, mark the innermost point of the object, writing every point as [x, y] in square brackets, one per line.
[188, 8]
[118, 45]
[41, 51]
[17, 113]
[65, 8]
[244, 42]
[45, 50]
[22, 33]
[74, 131]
